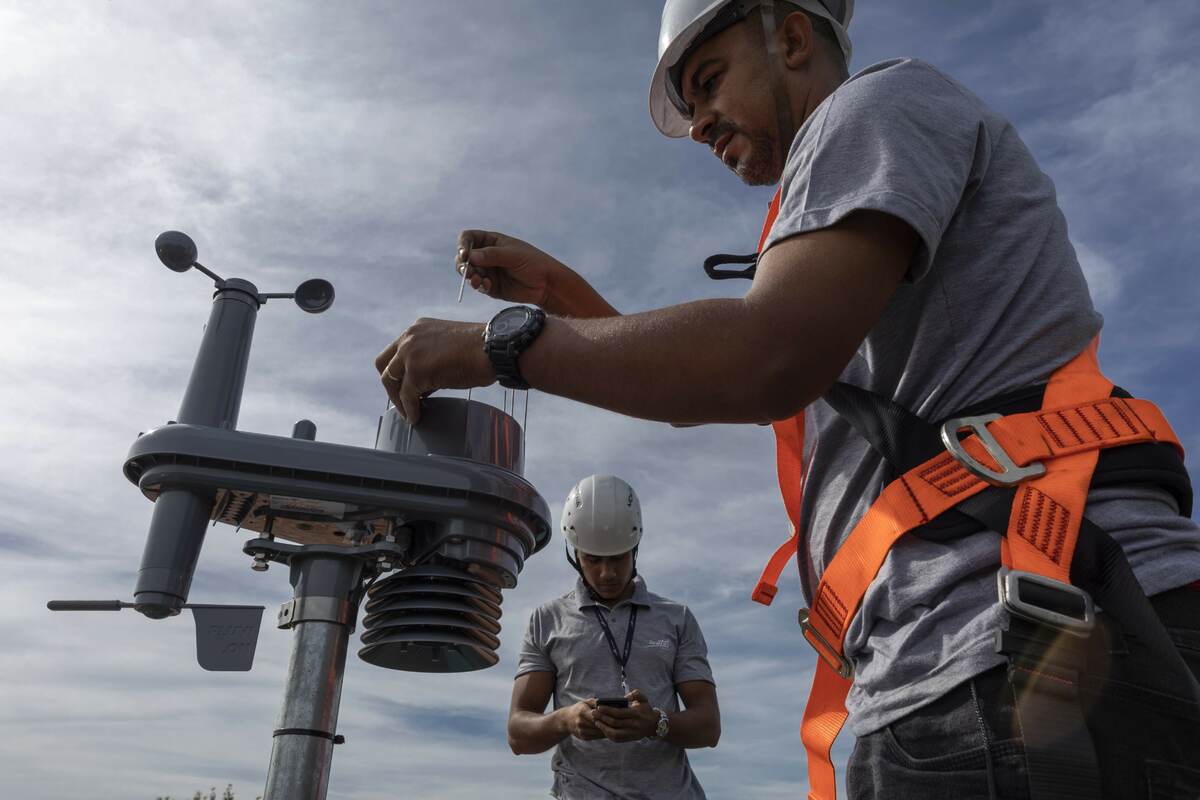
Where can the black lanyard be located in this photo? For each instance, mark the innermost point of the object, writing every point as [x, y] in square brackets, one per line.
[622, 660]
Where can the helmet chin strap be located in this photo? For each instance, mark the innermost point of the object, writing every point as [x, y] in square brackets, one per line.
[591, 590]
[783, 110]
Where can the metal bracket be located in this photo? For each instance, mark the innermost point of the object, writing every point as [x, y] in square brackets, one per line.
[1008, 586]
[310, 608]
[828, 653]
[370, 554]
[1010, 474]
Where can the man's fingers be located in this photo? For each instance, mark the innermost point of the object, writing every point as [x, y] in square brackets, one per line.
[616, 717]
[498, 256]
[410, 400]
[617, 734]
[471, 239]
[385, 358]
[635, 697]
[391, 375]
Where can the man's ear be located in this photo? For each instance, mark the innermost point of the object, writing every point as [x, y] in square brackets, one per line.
[800, 40]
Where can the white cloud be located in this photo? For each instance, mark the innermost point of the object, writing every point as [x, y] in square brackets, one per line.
[296, 140]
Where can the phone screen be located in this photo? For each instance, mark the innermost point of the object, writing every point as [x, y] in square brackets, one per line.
[613, 702]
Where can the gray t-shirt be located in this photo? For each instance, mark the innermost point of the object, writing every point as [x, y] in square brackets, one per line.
[565, 638]
[994, 300]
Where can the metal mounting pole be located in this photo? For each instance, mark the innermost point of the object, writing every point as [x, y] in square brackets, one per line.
[322, 615]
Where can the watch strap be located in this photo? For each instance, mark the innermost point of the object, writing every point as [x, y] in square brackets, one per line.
[503, 352]
[664, 724]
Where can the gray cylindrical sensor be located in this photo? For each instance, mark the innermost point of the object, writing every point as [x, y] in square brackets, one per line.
[213, 397]
[172, 549]
[452, 426]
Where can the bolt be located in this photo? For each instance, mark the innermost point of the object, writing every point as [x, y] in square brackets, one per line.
[261, 563]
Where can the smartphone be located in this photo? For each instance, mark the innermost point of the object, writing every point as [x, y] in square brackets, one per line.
[613, 702]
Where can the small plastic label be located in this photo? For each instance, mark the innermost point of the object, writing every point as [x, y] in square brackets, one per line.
[303, 505]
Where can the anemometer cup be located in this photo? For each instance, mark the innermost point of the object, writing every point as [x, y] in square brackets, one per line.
[176, 250]
[314, 295]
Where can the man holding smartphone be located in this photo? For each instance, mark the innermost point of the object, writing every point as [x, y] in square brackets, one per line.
[617, 660]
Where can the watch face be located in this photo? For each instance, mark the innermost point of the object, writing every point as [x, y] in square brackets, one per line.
[509, 321]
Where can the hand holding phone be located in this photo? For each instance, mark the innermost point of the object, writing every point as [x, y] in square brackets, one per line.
[613, 702]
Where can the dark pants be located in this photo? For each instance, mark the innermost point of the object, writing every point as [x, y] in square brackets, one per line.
[968, 744]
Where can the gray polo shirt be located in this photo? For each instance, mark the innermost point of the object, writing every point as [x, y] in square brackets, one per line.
[565, 638]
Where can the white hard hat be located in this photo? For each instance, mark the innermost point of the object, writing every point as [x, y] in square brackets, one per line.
[683, 22]
[602, 516]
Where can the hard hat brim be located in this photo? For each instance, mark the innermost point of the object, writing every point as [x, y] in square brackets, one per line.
[669, 120]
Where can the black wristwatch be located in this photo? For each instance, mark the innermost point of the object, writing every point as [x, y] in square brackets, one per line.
[507, 336]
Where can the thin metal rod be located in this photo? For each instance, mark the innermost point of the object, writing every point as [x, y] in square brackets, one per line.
[525, 423]
[217, 278]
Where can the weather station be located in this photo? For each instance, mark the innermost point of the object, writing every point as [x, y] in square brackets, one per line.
[429, 528]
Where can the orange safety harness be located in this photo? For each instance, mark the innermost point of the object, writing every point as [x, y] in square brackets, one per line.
[1044, 460]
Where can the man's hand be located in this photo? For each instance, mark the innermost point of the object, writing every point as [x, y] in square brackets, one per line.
[507, 268]
[578, 720]
[631, 724]
[433, 354]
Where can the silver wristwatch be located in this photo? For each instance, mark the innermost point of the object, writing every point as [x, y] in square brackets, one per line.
[664, 725]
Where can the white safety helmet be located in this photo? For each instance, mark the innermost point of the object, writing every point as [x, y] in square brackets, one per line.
[602, 516]
[683, 22]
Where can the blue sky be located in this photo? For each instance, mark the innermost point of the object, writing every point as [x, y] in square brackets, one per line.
[296, 140]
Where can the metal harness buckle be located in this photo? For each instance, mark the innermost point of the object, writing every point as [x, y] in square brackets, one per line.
[1025, 603]
[1010, 474]
[840, 664]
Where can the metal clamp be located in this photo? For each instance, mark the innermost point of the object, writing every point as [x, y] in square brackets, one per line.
[315, 609]
[1025, 603]
[827, 652]
[1010, 474]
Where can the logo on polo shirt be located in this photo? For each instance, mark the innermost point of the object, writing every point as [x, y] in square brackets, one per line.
[661, 644]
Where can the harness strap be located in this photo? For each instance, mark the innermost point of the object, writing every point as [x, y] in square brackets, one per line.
[1042, 525]
[768, 582]
[789, 463]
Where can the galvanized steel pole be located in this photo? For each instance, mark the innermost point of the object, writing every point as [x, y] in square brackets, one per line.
[322, 616]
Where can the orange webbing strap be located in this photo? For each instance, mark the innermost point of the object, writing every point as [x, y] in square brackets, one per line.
[789, 463]
[772, 213]
[768, 582]
[1066, 435]
[824, 717]
[1043, 525]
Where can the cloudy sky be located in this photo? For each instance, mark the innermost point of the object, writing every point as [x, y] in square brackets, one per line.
[294, 140]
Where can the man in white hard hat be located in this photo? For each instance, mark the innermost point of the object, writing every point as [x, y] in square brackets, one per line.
[617, 660]
[914, 277]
